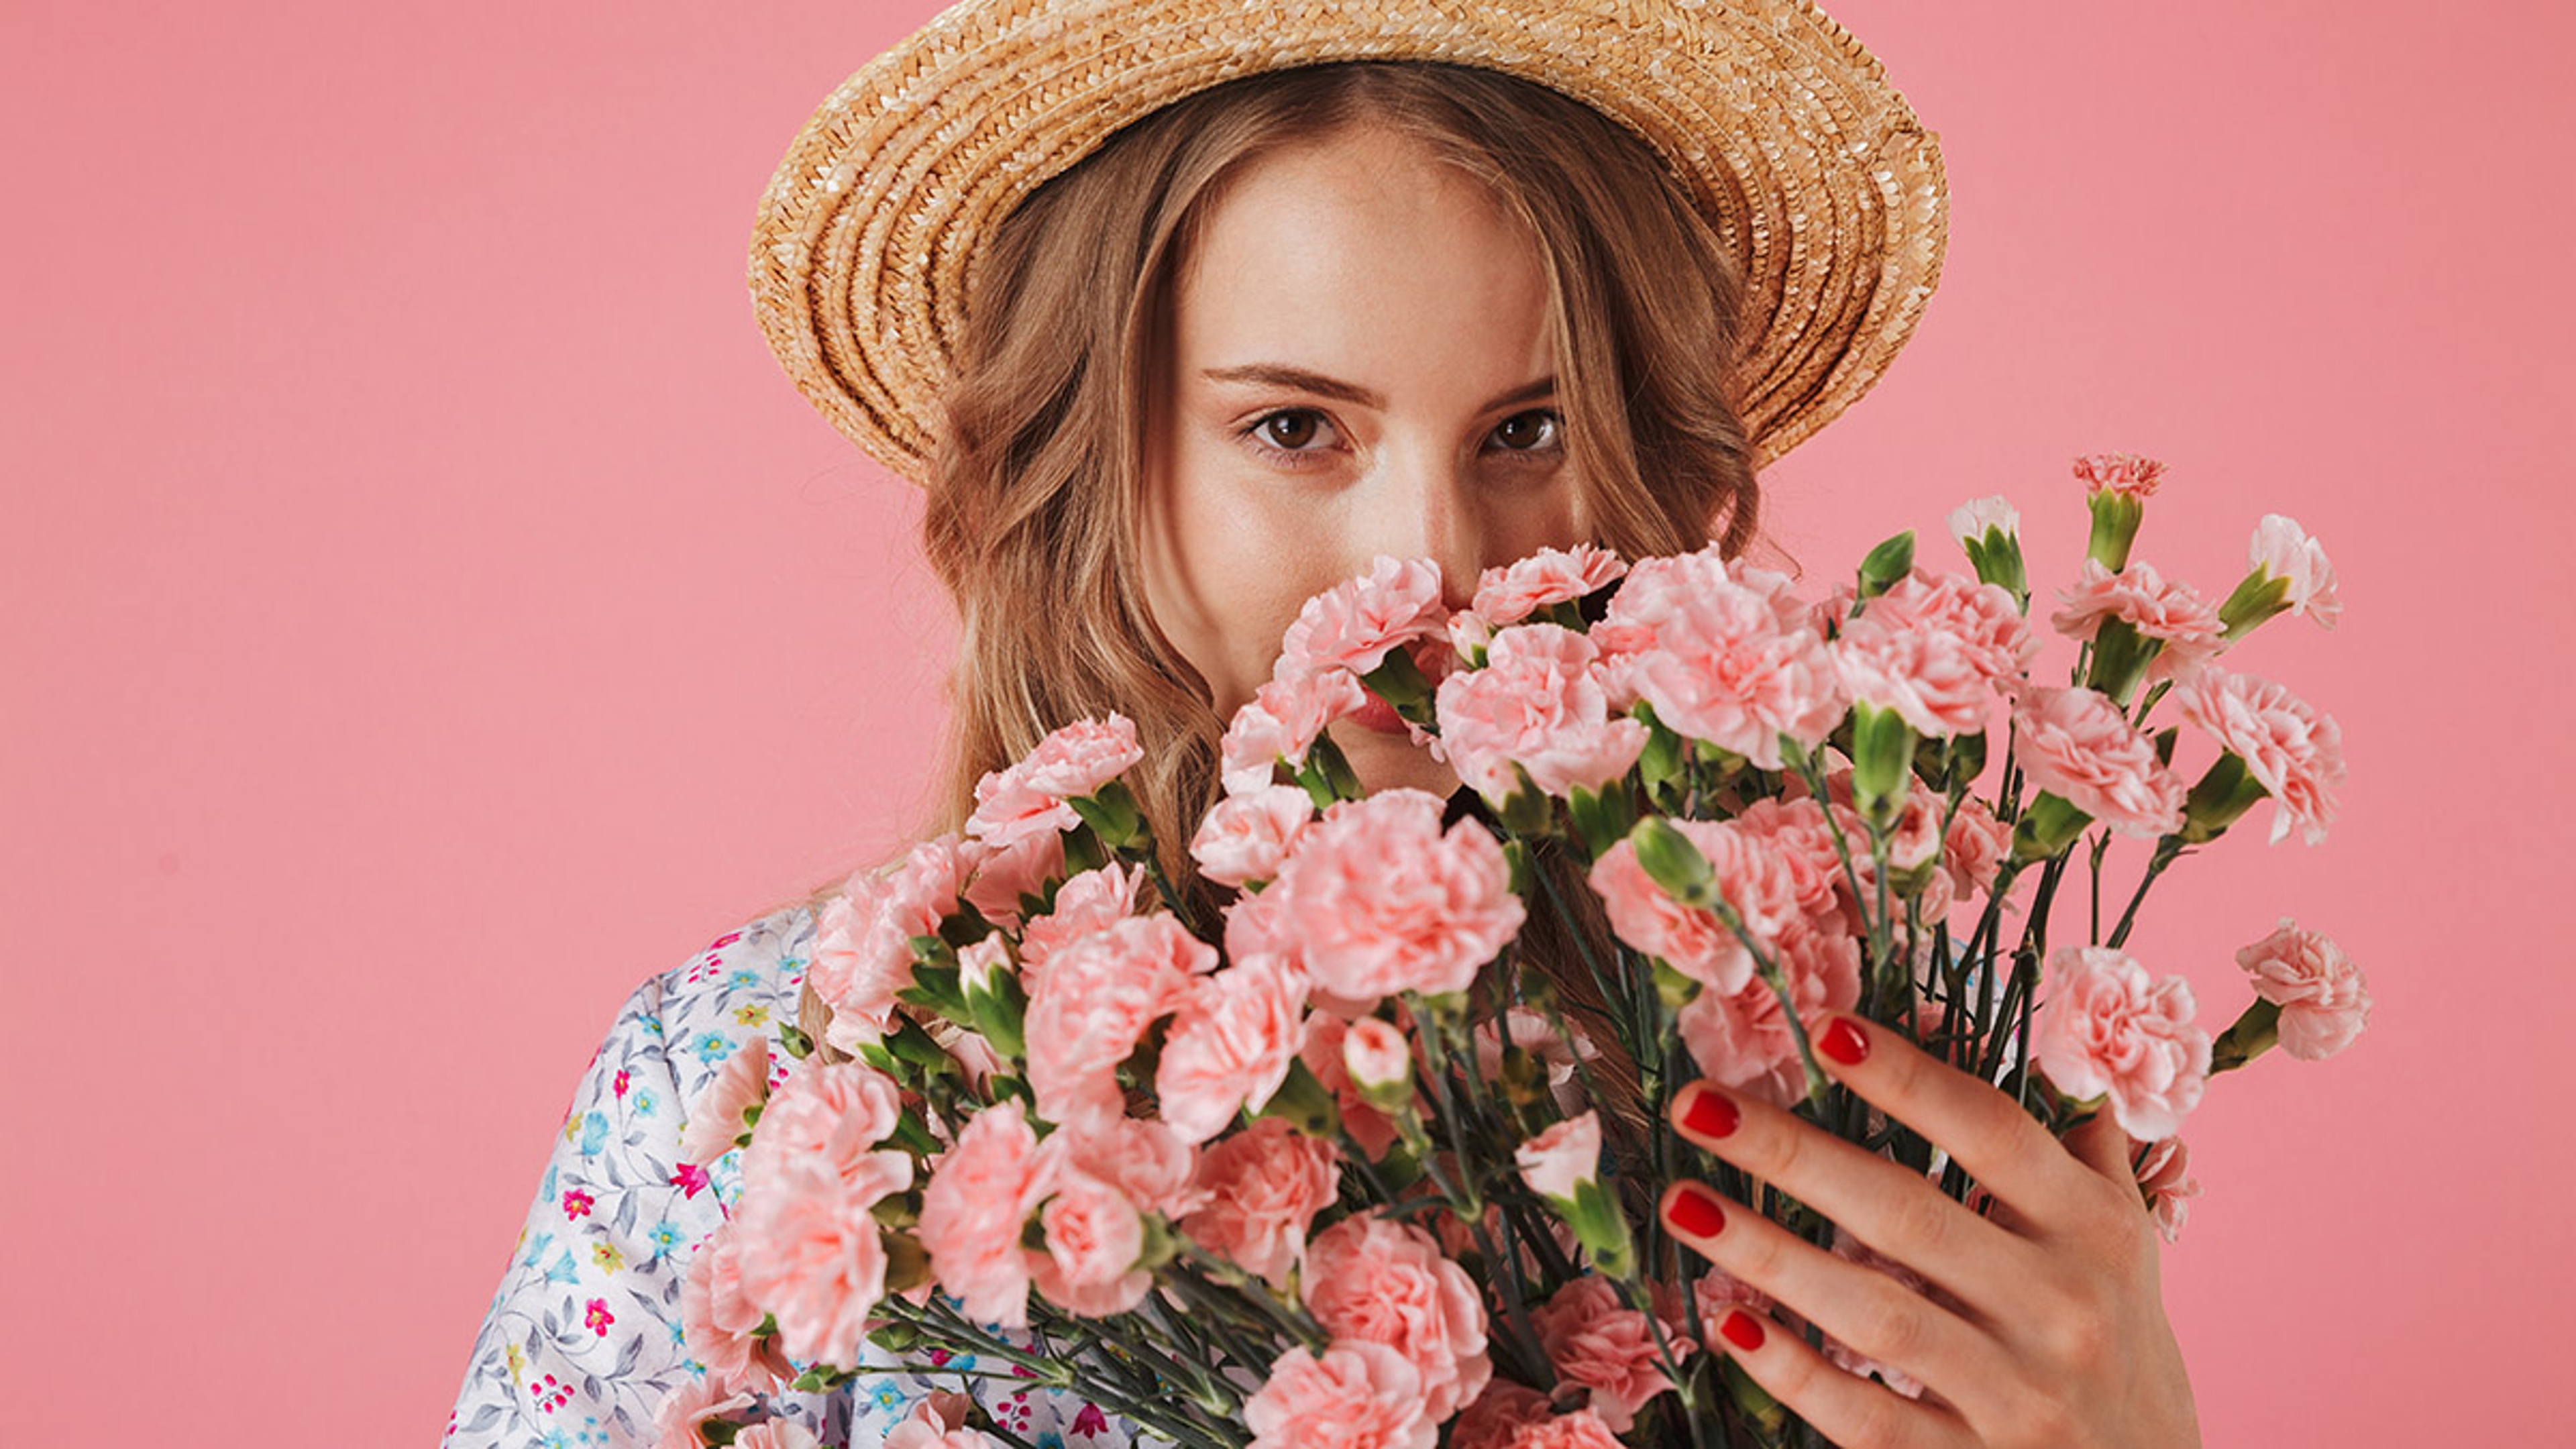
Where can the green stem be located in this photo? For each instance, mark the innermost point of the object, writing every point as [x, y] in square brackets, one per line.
[2168, 850]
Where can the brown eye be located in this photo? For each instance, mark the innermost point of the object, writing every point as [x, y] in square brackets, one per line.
[1299, 429]
[1529, 432]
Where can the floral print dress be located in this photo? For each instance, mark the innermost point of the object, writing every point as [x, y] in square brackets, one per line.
[583, 1337]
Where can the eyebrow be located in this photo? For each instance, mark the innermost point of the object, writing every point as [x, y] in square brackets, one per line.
[1279, 374]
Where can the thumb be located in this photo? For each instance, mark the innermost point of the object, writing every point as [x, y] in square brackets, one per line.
[2099, 1143]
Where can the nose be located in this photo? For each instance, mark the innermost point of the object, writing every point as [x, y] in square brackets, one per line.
[1424, 504]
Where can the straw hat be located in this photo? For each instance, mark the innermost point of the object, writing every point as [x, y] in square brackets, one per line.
[1812, 170]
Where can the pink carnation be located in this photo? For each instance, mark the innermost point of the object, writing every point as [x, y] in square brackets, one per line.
[1595, 1340]
[2077, 745]
[1582, 1429]
[1005, 874]
[938, 1422]
[1741, 1040]
[1352, 625]
[1246, 836]
[1083, 904]
[1094, 1237]
[1502, 1410]
[834, 1114]
[1762, 884]
[684, 1412]
[1029, 797]
[2127, 474]
[1723, 652]
[2104, 1027]
[1532, 1032]
[1936, 648]
[1970, 521]
[814, 1258]
[715, 1115]
[1231, 1044]
[1795, 829]
[1281, 722]
[1382, 901]
[1373, 1278]
[2165, 1181]
[863, 951]
[2323, 997]
[1093, 1004]
[1560, 1159]
[1984, 617]
[2296, 753]
[2282, 550]
[1514, 591]
[1156, 1167]
[2173, 613]
[1974, 848]
[1914, 841]
[1537, 703]
[1326, 1035]
[1262, 1188]
[980, 1194]
[717, 1318]
[1356, 1395]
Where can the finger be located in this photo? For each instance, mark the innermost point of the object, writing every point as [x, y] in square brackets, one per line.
[1891, 1207]
[2100, 1143]
[1985, 1132]
[1868, 1311]
[1844, 1407]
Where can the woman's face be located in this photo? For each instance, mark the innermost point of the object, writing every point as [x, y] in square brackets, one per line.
[1360, 365]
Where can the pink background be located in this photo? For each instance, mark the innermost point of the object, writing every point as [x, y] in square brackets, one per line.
[425, 611]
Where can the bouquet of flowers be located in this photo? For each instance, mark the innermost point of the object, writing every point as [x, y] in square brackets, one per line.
[1369, 1159]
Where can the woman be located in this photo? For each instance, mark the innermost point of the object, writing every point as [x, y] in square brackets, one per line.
[1265, 330]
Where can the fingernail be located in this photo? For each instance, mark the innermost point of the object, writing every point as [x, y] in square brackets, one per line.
[1710, 1113]
[1844, 1043]
[1742, 1329]
[1695, 1211]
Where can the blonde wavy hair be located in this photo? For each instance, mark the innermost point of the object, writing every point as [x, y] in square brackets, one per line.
[1034, 515]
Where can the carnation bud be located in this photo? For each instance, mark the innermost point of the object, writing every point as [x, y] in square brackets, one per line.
[1563, 1166]
[1882, 753]
[1893, 559]
[2116, 487]
[1379, 1062]
[1673, 862]
[1988, 530]
[995, 1002]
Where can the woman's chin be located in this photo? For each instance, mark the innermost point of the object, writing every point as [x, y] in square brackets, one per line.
[1391, 761]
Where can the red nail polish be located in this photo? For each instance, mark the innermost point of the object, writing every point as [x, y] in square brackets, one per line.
[1844, 1043]
[1742, 1329]
[1695, 1212]
[1710, 1113]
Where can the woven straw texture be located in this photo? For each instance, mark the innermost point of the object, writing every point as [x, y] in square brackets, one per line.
[1811, 168]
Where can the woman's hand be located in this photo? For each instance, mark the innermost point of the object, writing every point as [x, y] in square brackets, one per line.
[2054, 1333]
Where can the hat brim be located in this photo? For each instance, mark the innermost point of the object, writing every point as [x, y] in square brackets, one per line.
[1811, 169]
